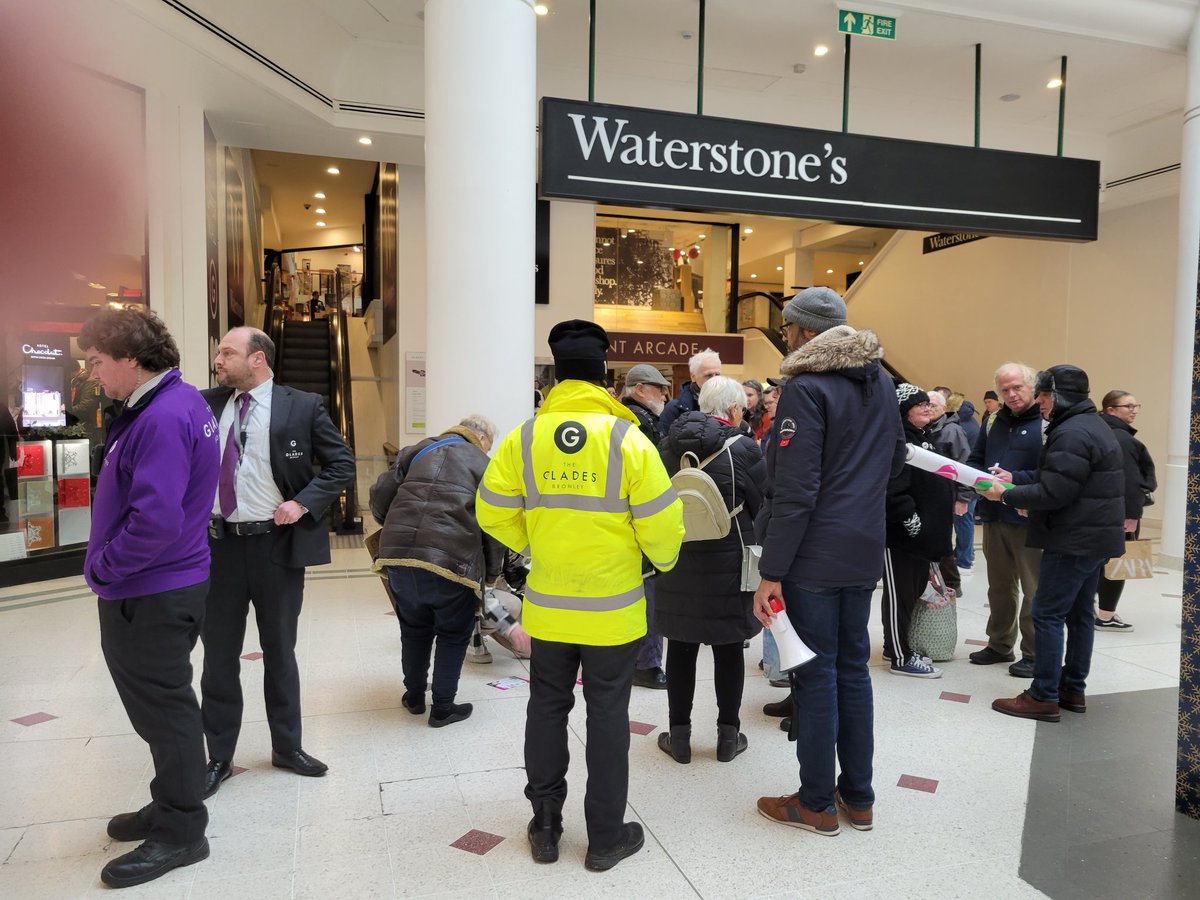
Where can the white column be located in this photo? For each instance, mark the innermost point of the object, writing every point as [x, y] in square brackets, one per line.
[178, 285]
[1173, 489]
[480, 148]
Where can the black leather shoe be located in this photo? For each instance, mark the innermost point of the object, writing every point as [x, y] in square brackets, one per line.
[655, 678]
[631, 842]
[134, 826]
[989, 657]
[779, 709]
[150, 860]
[299, 762]
[1022, 668]
[218, 770]
[545, 828]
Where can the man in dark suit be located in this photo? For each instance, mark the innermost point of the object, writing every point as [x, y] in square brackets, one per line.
[268, 524]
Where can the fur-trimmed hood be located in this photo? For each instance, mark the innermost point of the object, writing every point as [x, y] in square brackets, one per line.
[841, 347]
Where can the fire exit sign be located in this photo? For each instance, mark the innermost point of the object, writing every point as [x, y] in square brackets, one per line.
[866, 25]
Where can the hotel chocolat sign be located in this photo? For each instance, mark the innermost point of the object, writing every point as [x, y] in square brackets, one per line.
[642, 157]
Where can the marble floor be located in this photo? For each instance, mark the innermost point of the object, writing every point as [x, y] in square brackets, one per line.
[407, 810]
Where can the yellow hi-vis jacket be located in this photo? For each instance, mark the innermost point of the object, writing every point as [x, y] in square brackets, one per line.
[582, 491]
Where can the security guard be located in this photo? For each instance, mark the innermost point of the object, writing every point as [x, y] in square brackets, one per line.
[581, 490]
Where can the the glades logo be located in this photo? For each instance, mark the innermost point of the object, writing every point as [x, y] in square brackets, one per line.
[570, 437]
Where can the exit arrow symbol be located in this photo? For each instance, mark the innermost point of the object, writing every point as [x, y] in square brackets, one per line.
[849, 20]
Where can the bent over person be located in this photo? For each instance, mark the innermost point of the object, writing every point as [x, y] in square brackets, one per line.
[147, 559]
[584, 493]
[268, 523]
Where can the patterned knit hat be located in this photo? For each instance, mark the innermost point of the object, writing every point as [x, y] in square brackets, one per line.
[909, 395]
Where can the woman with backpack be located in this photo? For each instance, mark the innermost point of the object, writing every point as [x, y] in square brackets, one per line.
[700, 601]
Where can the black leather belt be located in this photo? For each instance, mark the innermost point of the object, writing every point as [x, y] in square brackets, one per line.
[241, 529]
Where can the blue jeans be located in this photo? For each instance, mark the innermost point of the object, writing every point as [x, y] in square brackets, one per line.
[650, 647]
[770, 656]
[832, 694]
[1065, 593]
[430, 606]
[964, 536]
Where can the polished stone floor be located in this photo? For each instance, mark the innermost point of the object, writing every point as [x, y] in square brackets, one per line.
[955, 818]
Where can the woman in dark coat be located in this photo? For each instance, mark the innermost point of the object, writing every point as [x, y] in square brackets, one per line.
[700, 601]
[1118, 410]
[920, 519]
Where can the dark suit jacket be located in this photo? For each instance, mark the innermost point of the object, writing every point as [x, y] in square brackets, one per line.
[302, 434]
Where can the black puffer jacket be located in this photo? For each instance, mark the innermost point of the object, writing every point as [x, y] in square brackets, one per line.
[930, 496]
[427, 511]
[700, 600]
[1077, 502]
[1140, 478]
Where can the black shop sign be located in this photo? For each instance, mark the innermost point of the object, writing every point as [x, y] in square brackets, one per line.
[651, 158]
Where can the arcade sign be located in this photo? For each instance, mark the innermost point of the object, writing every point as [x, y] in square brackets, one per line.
[666, 160]
[669, 348]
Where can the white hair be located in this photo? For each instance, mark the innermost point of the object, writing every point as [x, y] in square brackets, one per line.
[481, 426]
[1029, 374]
[697, 361]
[719, 394]
[936, 398]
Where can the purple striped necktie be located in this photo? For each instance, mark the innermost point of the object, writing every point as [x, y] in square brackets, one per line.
[227, 482]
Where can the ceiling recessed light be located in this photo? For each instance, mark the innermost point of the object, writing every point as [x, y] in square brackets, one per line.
[320, 224]
[320, 210]
[860, 262]
[357, 249]
[829, 271]
[97, 286]
[752, 275]
[365, 141]
[747, 231]
[1054, 83]
[1009, 98]
[319, 195]
[779, 268]
[820, 50]
[334, 170]
[633, 231]
[541, 9]
[702, 236]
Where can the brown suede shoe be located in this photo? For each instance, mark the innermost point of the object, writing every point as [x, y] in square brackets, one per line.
[860, 819]
[788, 811]
[1072, 702]
[1026, 706]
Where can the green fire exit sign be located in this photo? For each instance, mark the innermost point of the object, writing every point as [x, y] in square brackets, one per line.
[866, 24]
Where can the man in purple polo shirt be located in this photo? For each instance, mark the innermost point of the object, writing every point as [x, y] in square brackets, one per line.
[148, 561]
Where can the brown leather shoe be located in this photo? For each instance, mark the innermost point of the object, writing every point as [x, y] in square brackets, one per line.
[860, 819]
[1026, 706]
[1071, 701]
[788, 811]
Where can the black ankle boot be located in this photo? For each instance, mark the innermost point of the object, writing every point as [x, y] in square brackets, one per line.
[678, 743]
[730, 742]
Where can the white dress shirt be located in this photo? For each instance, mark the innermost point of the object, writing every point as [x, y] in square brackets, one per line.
[144, 389]
[257, 494]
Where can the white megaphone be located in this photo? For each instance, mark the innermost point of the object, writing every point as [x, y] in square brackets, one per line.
[793, 652]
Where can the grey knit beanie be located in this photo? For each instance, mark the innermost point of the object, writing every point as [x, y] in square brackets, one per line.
[816, 309]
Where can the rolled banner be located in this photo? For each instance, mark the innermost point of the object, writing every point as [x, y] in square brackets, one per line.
[928, 461]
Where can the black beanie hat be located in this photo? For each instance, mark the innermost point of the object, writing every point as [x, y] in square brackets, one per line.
[579, 349]
[1069, 384]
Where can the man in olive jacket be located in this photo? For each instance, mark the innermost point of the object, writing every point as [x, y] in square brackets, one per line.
[1076, 514]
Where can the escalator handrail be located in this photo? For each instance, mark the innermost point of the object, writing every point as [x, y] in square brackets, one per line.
[339, 395]
[777, 341]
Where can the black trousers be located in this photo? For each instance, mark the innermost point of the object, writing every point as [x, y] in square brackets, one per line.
[904, 580]
[1109, 592]
[607, 680]
[729, 676]
[147, 643]
[243, 574]
[429, 606]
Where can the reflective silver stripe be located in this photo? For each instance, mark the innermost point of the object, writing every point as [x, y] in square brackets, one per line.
[616, 461]
[501, 500]
[657, 505]
[667, 566]
[585, 604]
[531, 489]
[582, 504]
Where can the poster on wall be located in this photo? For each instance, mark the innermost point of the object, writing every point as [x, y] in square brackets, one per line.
[235, 240]
[414, 392]
[212, 247]
[634, 268]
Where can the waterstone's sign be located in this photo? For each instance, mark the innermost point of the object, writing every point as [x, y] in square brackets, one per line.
[642, 157]
[935, 242]
[674, 349]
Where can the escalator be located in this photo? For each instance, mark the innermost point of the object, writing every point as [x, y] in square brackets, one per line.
[314, 356]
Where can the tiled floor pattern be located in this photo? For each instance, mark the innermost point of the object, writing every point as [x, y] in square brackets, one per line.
[951, 777]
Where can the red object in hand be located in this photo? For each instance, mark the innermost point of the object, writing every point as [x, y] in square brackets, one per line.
[776, 605]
